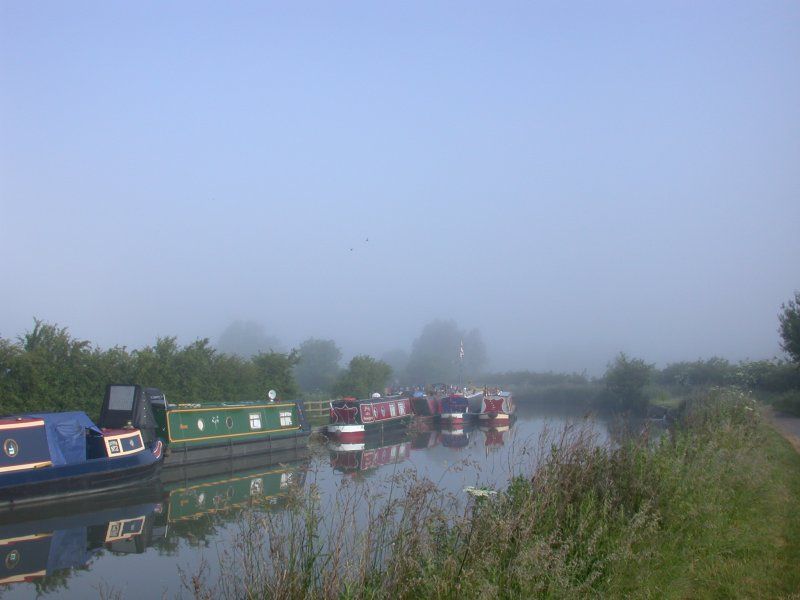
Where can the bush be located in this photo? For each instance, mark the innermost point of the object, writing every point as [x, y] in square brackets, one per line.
[47, 370]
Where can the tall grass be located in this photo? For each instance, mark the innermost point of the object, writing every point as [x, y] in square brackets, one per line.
[586, 520]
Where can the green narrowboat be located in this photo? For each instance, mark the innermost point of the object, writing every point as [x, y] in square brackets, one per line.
[197, 433]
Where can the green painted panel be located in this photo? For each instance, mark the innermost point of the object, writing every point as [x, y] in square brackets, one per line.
[207, 423]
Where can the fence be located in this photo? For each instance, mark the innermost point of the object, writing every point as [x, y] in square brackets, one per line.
[317, 411]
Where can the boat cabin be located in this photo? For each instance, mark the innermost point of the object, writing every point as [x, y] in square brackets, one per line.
[370, 410]
[454, 404]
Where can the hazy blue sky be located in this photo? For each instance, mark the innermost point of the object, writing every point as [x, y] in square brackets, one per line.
[573, 179]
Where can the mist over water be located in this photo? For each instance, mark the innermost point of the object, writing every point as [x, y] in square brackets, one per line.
[569, 182]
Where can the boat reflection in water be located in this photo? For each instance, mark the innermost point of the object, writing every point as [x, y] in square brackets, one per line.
[34, 546]
[221, 489]
[495, 437]
[456, 436]
[45, 545]
[360, 458]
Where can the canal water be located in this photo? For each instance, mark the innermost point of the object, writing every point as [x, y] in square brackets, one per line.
[150, 542]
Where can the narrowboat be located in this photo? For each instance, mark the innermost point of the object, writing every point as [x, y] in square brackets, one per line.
[47, 456]
[197, 433]
[497, 408]
[455, 410]
[360, 458]
[426, 409]
[474, 397]
[353, 420]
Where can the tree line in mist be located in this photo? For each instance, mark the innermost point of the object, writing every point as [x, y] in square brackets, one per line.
[434, 356]
[47, 369]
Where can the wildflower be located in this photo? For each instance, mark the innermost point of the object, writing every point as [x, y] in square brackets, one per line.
[480, 492]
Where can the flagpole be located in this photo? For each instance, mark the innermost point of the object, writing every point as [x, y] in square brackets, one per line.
[461, 366]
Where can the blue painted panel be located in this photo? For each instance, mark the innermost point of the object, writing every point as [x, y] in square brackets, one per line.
[23, 446]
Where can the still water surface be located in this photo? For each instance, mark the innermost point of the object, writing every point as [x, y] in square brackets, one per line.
[141, 544]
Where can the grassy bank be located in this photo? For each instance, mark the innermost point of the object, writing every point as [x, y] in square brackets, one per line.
[709, 509]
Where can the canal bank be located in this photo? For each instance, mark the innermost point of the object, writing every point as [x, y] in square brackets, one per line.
[709, 509]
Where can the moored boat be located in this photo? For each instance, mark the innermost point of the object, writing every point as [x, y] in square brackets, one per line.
[497, 408]
[48, 456]
[474, 398]
[353, 420]
[455, 410]
[426, 409]
[197, 433]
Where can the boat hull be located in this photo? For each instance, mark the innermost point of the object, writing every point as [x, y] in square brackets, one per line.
[357, 432]
[492, 419]
[183, 454]
[96, 476]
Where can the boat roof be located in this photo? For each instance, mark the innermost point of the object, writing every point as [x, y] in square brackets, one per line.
[66, 437]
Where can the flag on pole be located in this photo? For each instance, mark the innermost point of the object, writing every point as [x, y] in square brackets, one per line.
[461, 350]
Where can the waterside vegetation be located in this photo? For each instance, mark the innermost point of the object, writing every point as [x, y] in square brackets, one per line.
[708, 509]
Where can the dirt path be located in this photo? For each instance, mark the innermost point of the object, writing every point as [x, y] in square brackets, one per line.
[788, 425]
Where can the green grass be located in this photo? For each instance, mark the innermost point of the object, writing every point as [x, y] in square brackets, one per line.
[729, 523]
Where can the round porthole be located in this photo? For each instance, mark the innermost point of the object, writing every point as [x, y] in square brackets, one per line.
[200, 424]
[12, 559]
[229, 422]
[10, 448]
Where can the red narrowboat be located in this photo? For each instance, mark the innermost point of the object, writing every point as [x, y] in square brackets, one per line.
[353, 420]
[497, 408]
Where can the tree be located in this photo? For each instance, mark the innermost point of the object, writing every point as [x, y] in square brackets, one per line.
[789, 319]
[626, 379]
[435, 354]
[246, 339]
[318, 366]
[364, 376]
[275, 370]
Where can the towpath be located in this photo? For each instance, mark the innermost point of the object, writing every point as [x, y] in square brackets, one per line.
[788, 425]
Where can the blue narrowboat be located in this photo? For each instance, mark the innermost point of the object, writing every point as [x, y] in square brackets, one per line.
[45, 456]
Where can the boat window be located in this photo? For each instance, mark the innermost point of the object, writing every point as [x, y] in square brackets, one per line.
[402, 408]
[286, 418]
[229, 422]
[120, 397]
[255, 420]
[392, 409]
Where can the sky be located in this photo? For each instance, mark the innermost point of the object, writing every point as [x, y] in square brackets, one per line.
[573, 179]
